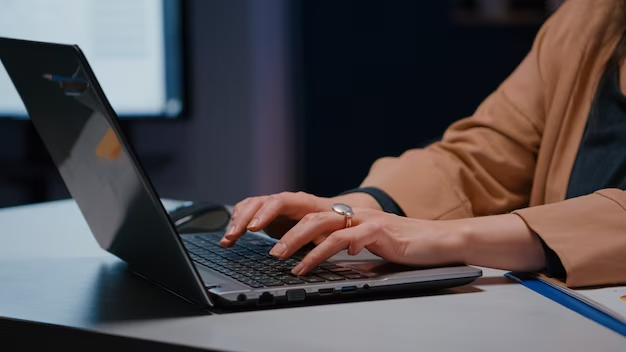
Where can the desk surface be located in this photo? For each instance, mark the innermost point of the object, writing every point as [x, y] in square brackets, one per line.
[52, 271]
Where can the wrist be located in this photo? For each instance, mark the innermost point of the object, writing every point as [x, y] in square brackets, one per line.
[499, 241]
[455, 241]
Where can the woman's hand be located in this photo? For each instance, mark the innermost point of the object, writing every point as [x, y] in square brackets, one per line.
[394, 238]
[278, 213]
[502, 241]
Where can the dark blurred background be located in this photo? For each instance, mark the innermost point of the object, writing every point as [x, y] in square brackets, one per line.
[304, 94]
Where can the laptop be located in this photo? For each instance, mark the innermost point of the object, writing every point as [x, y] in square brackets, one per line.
[80, 131]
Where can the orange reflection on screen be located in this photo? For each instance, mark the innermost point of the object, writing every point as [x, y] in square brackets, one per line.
[109, 147]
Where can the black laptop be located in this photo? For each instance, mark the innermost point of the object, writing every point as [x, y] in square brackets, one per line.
[102, 173]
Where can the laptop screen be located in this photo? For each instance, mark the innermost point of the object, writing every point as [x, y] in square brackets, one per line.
[77, 126]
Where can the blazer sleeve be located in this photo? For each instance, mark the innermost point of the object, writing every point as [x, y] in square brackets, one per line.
[588, 234]
[484, 164]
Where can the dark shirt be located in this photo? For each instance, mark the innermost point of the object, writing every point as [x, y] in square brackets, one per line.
[601, 159]
[600, 163]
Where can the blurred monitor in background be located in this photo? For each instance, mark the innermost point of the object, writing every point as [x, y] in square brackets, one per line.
[134, 47]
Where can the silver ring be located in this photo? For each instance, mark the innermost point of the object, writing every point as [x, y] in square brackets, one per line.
[346, 211]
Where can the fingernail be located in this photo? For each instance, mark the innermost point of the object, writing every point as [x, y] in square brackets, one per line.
[278, 250]
[297, 269]
[253, 223]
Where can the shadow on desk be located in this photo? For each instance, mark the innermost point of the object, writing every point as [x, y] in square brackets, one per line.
[494, 280]
[83, 292]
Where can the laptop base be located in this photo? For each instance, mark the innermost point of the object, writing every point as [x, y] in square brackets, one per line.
[298, 299]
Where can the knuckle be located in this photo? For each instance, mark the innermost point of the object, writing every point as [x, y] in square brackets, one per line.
[310, 217]
[383, 162]
[375, 227]
[366, 212]
[284, 194]
[303, 195]
[244, 204]
[321, 217]
[248, 201]
[274, 200]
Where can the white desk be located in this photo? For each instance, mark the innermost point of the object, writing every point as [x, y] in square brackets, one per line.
[492, 314]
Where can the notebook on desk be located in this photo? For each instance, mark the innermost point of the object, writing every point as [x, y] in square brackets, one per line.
[605, 305]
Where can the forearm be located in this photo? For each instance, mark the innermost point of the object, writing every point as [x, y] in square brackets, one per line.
[502, 242]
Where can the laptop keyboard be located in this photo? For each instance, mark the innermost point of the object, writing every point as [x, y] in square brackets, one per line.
[248, 262]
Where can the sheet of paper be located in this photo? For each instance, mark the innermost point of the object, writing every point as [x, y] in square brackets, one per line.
[610, 300]
[613, 300]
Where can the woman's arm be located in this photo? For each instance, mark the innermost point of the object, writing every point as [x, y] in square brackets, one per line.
[502, 242]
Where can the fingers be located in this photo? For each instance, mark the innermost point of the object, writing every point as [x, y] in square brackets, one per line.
[353, 237]
[254, 214]
[308, 229]
[242, 215]
[292, 205]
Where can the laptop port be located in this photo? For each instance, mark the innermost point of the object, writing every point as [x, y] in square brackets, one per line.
[348, 289]
[296, 295]
[326, 291]
[266, 298]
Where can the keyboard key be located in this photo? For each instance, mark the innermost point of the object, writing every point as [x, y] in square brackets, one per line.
[354, 276]
[339, 269]
[311, 279]
[271, 283]
[331, 277]
[327, 265]
[252, 283]
[318, 270]
[233, 256]
[274, 273]
[255, 256]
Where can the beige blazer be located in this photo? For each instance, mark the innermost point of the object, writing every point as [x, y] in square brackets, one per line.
[516, 153]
